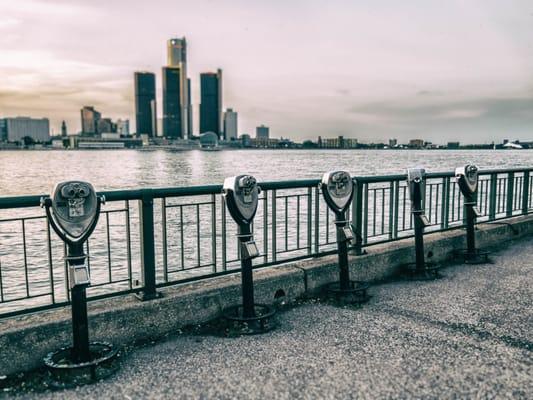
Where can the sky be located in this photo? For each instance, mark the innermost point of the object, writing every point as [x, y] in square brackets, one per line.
[366, 69]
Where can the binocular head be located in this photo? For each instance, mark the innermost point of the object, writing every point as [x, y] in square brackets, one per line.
[337, 189]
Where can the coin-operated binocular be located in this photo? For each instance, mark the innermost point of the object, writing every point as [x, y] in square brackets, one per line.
[417, 192]
[73, 212]
[241, 195]
[467, 179]
[338, 189]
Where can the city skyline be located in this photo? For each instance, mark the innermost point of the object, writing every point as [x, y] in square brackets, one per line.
[434, 71]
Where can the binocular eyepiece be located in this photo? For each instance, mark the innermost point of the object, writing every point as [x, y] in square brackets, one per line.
[75, 190]
[247, 182]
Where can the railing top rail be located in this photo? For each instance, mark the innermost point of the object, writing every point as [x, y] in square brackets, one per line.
[138, 194]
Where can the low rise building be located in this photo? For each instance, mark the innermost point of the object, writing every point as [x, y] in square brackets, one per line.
[16, 129]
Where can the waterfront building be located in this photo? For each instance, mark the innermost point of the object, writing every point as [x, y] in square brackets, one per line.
[230, 124]
[3, 130]
[123, 127]
[393, 142]
[208, 140]
[89, 120]
[15, 129]
[416, 143]
[262, 132]
[105, 125]
[211, 102]
[64, 132]
[246, 140]
[145, 103]
[453, 145]
[173, 126]
[177, 58]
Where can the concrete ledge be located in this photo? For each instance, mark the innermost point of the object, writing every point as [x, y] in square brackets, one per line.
[25, 340]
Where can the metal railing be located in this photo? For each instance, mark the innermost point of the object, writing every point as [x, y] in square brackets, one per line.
[150, 238]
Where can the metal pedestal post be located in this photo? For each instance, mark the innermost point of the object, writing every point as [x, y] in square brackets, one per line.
[248, 310]
[420, 269]
[471, 255]
[84, 362]
[80, 325]
[345, 290]
[249, 318]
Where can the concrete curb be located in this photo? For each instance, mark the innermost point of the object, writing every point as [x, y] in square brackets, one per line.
[25, 340]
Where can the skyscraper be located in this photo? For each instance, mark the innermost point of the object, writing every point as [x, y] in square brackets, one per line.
[230, 124]
[211, 102]
[89, 120]
[144, 97]
[172, 110]
[177, 58]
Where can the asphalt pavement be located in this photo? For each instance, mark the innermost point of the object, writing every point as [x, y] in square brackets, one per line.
[468, 336]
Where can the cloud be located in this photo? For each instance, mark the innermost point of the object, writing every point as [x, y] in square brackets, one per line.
[306, 68]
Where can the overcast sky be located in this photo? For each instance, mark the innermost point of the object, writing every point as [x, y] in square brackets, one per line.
[373, 70]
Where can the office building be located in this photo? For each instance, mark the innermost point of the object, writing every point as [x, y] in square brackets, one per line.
[105, 125]
[15, 129]
[172, 110]
[3, 130]
[64, 132]
[211, 102]
[416, 143]
[230, 124]
[123, 127]
[177, 58]
[144, 100]
[262, 132]
[89, 120]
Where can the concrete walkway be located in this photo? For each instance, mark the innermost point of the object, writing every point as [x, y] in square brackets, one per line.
[469, 335]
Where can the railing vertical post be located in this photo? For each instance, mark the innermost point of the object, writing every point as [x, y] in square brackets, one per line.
[358, 217]
[525, 193]
[396, 209]
[510, 194]
[164, 237]
[214, 231]
[274, 223]
[265, 226]
[364, 212]
[445, 203]
[391, 208]
[146, 224]
[223, 231]
[317, 219]
[493, 196]
[309, 219]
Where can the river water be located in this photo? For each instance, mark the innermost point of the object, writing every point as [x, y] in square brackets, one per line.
[35, 172]
[30, 268]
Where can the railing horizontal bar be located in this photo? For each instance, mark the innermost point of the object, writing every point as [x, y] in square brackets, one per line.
[136, 194]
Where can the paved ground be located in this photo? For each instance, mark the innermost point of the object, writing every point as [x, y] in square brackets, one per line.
[469, 335]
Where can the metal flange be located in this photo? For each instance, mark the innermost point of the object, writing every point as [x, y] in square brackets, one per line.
[262, 322]
[356, 293]
[429, 272]
[68, 373]
[473, 257]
